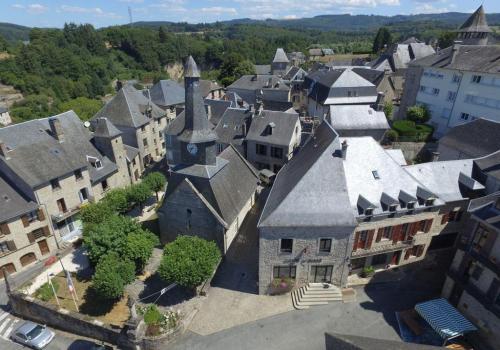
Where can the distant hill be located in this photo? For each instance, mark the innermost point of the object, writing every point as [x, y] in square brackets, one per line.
[344, 22]
[13, 32]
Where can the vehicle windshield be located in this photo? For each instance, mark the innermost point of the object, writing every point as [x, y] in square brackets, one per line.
[35, 332]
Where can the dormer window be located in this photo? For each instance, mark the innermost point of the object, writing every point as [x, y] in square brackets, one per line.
[376, 175]
[95, 162]
[410, 205]
[368, 211]
[393, 207]
[429, 202]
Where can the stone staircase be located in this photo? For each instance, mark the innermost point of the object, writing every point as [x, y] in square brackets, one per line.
[314, 294]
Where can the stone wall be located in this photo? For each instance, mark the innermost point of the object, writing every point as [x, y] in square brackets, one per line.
[412, 150]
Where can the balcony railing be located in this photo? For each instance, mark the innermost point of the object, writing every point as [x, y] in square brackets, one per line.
[379, 248]
[62, 216]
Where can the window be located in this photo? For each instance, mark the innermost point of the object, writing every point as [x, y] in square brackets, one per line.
[143, 128]
[375, 174]
[276, 168]
[325, 245]
[145, 142]
[393, 207]
[456, 78]
[95, 162]
[83, 194]
[353, 93]
[451, 95]
[104, 184]
[55, 184]
[387, 233]
[188, 218]
[435, 91]
[32, 216]
[277, 152]
[464, 116]
[422, 88]
[78, 174]
[61, 204]
[410, 205]
[476, 79]
[38, 233]
[368, 211]
[284, 271]
[286, 245]
[4, 248]
[261, 149]
[405, 229]
[429, 202]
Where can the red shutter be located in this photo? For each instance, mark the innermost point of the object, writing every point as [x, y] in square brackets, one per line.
[396, 233]
[369, 240]
[46, 231]
[420, 250]
[428, 225]
[445, 218]
[41, 215]
[407, 254]
[31, 237]
[4, 228]
[379, 234]
[355, 244]
[25, 221]
[413, 228]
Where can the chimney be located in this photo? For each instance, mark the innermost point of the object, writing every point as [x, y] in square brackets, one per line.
[435, 156]
[344, 149]
[454, 51]
[209, 111]
[56, 129]
[3, 150]
[379, 103]
[244, 129]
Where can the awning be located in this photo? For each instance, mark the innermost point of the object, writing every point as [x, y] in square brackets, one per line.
[444, 318]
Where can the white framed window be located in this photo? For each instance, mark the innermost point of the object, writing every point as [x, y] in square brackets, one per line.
[95, 162]
[435, 91]
[451, 95]
[456, 78]
[464, 116]
[476, 79]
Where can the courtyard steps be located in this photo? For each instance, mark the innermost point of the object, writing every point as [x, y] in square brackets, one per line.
[314, 294]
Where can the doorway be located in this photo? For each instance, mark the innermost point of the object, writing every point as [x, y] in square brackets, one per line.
[321, 273]
[44, 247]
[395, 257]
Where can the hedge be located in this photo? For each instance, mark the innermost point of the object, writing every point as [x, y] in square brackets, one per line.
[409, 131]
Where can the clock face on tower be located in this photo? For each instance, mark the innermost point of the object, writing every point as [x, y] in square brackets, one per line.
[192, 148]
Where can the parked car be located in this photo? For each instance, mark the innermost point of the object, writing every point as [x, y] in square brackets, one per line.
[33, 335]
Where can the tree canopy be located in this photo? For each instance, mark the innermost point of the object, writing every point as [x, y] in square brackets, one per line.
[382, 39]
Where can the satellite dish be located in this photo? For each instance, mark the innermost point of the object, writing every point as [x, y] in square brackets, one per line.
[86, 124]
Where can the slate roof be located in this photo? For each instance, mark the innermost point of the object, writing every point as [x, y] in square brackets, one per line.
[398, 56]
[217, 109]
[364, 157]
[476, 23]
[128, 108]
[442, 177]
[374, 76]
[353, 342]
[38, 157]
[104, 128]
[131, 152]
[357, 117]
[310, 190]
[262, 69]
[255, 82]
[12, 203]
[207, 86]
[475, 58]
[293, 72]
[228, 189]
[280, 56]
[476, 138]
[282, 132]
[167, 93]
[230, 128]
[489, 164]
[397, 155]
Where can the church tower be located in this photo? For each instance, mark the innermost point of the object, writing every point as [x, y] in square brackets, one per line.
[475, 30]
[197, 140]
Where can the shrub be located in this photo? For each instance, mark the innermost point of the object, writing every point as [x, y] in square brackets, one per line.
[418, 114]
[188, 261]
[281, 285]
[367, 271]
[391, 135]
[45, 292]
[152, 316]
[111, 276]
[388, 109]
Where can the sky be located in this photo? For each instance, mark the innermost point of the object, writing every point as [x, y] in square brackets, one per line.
[54, 13]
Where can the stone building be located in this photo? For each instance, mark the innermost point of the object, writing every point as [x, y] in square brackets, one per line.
[25, 231]
[265, 88]
[208, 195]
[5, 118]
[280, 63]
[53, 162]
[272, 139]
[473, 281]
[141, 122]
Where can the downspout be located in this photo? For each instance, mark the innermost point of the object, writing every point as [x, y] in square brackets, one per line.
[455, 99]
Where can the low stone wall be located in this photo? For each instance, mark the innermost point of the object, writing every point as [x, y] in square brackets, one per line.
[45, 313]
[416, 150]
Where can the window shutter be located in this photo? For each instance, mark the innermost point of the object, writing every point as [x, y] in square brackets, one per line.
[46, 231]
[4, 228]
[407, 254]
[445, 218]
[25, 221]
[369, 240]
[41, 215]
[428, 225]
[397, 234]
[379, 234]
[31, 237]
[413, 228]
[11, 245]
[420, 250]
[356, 239]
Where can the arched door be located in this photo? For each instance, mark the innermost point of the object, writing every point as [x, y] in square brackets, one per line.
[9, 267]
[28, 259]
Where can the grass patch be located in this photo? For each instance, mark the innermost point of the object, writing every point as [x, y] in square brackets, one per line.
[45, 292]
[409, 131]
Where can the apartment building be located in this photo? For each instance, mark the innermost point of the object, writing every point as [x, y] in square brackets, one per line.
[458, 84]
[342, 204]
[25, 230]
[473, 281]
[141, 122]
[272, 139]
[55, 163]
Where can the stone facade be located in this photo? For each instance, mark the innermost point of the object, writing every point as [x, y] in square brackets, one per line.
[305, 255]
[25, 240]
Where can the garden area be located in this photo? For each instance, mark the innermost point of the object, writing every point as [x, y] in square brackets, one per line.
[413, 128]
[128, 264]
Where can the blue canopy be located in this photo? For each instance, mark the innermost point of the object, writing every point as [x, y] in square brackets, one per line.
[444, 318]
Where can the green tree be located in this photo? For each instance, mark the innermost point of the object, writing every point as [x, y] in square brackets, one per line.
[95, 213]
[111, 275]
[3, 43]
[117, 200]
[156, 182]
[418, 114]
[382, 39]
[233, 67]
[388, 109]
[446, 39]
[140, 246]
[188, 261]
[139, 193]
[84, 107]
